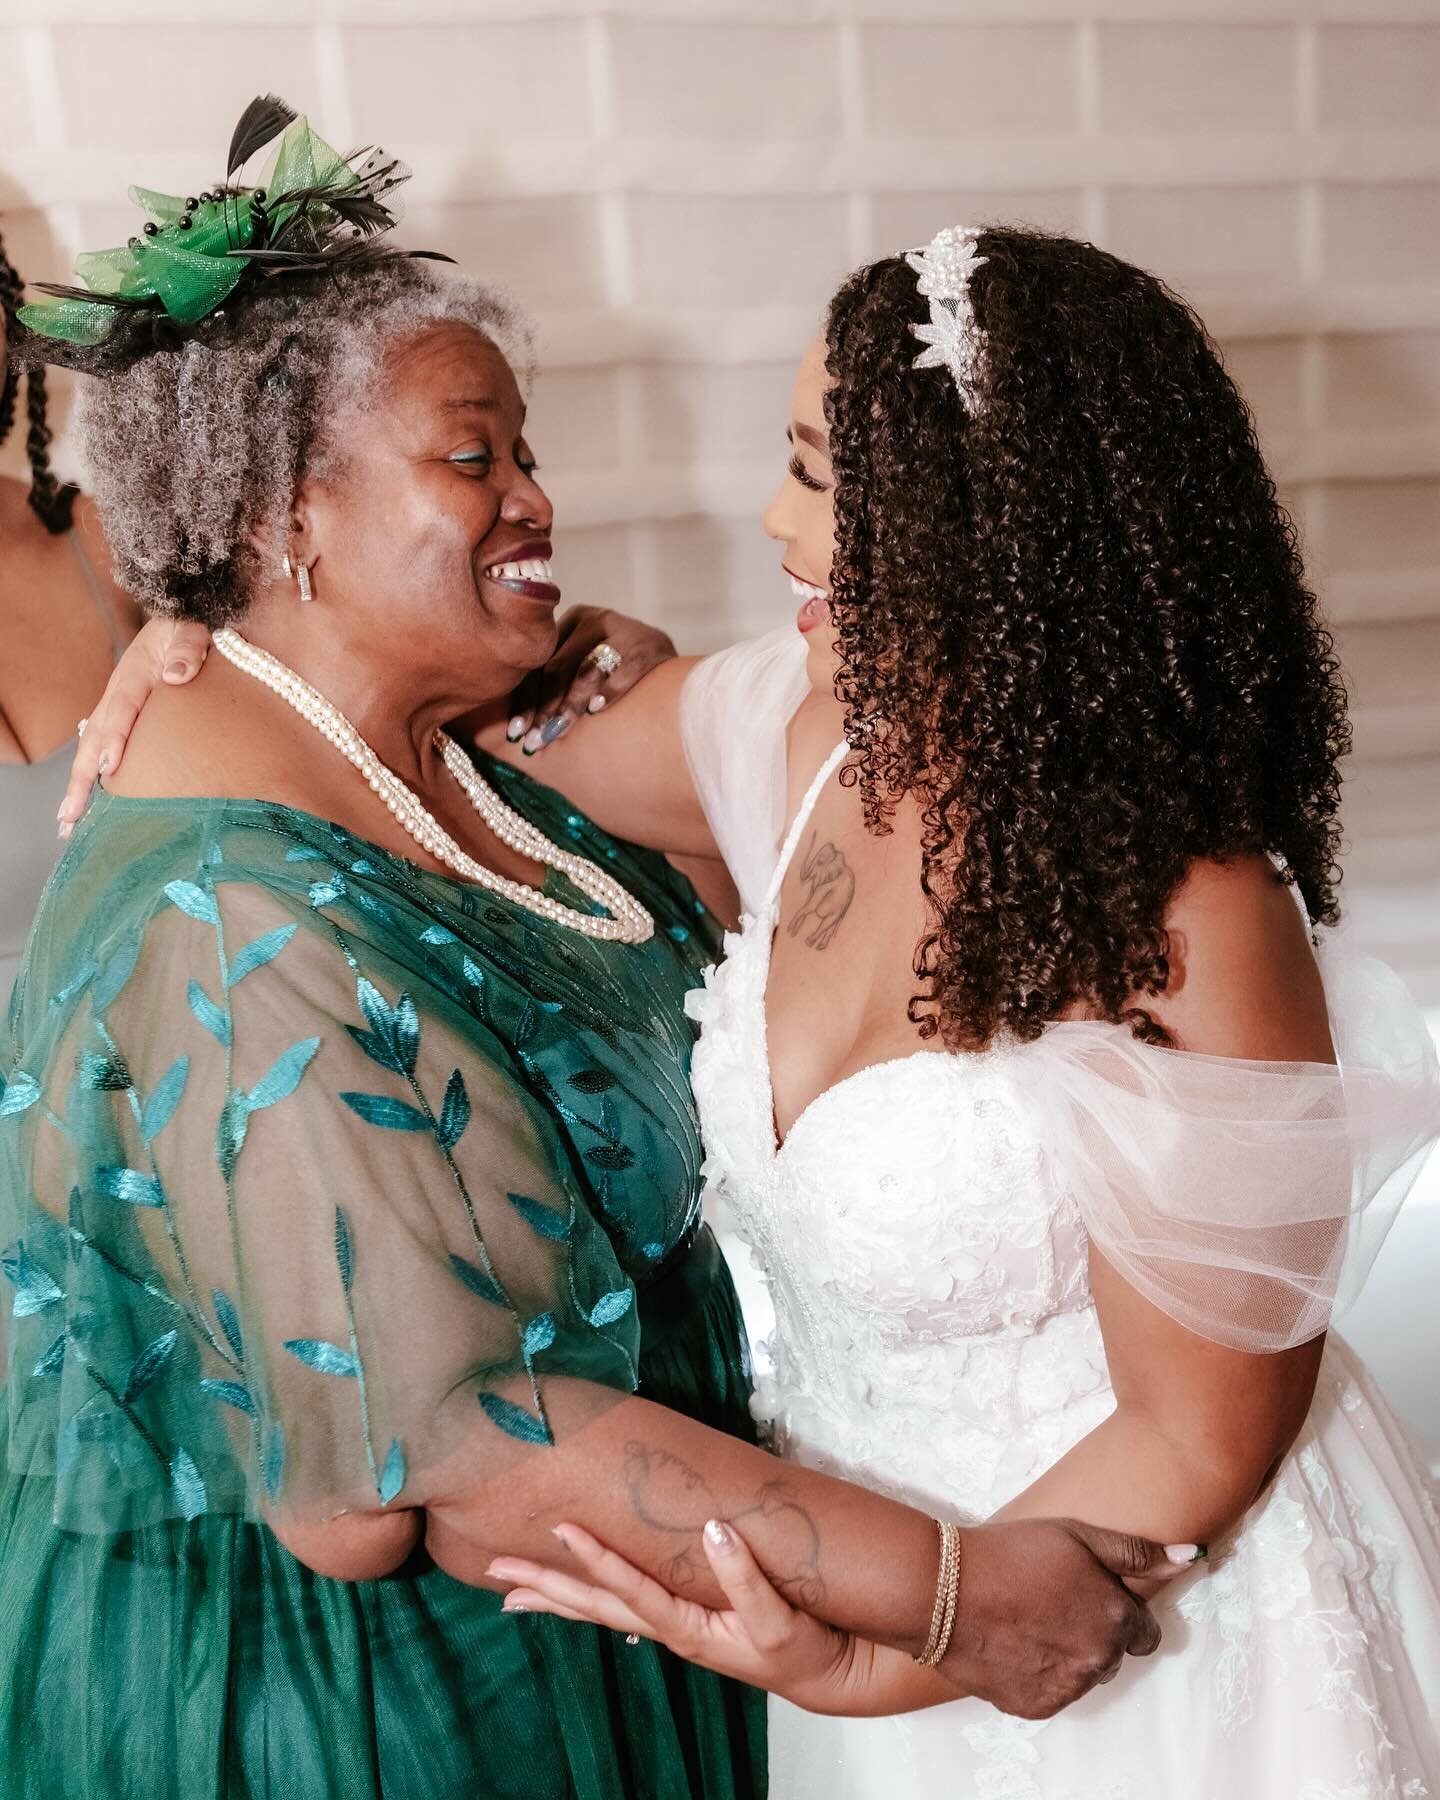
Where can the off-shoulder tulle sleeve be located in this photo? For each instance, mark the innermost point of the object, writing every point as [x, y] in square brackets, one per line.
[318, 1235]
[734, 712]
[1246, 1200]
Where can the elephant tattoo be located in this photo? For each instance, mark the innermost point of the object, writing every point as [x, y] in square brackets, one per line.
[831, 881]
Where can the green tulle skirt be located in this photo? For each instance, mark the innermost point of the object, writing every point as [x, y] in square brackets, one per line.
[202, 1662]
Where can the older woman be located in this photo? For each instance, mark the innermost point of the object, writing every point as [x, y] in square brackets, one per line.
[348, 1163]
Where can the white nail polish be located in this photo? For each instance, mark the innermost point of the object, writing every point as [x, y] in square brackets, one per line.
[597, 703]
[515, 729]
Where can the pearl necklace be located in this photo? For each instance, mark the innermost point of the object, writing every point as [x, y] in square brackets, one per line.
[630, 923]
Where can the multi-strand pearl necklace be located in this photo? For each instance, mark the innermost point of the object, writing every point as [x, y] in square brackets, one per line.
[629, 922]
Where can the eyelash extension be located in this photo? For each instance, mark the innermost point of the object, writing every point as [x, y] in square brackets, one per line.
[804, 477]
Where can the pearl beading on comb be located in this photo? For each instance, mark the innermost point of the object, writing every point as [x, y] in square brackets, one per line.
[952, 338]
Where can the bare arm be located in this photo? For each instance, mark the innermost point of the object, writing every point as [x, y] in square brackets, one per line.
[1198, 1429]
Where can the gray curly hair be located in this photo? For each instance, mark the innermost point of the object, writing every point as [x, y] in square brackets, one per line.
[196, 453]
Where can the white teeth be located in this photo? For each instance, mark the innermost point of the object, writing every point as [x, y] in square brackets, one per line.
[803, 590]
[533, 570]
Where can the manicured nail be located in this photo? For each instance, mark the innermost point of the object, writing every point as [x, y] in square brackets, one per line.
[597, 703]
[719, 1536]
[65, 829]
[559, 1532]
[103, 766]
[516, 728]
[533, 741]
[1182, 1555]
[554, 728]
[515, 1606]
[176, 671]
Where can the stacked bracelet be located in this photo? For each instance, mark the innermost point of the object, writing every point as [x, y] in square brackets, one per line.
[947, 1596]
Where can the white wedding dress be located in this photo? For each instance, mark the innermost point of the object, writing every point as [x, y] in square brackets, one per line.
[923, 1233]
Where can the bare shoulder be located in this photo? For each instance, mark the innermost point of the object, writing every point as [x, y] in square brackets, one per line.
[1243, 977]
[813, 732]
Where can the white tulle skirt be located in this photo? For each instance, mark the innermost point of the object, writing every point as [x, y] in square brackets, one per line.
[1301, 1663]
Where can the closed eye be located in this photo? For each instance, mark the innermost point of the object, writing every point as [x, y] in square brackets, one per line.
[804, 477]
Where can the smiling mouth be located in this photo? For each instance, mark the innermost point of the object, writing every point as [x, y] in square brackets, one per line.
[529, 577]
[806, 590]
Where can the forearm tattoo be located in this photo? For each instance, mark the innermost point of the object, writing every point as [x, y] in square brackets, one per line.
[671, 1495]
[831, 884]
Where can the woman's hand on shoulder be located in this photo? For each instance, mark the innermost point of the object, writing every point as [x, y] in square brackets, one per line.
[164, 650]
[599, 657]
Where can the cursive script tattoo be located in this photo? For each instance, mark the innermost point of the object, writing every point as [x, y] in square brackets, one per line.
[831, 881]
[671, 1495]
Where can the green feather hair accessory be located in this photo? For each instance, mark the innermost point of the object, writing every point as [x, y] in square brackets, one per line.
[314, 212]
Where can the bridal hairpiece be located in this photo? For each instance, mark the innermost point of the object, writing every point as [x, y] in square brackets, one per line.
[952, 338]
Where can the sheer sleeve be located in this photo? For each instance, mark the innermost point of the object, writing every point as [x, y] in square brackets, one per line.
[734, 711]
[301, 1231]
[1246, 1200]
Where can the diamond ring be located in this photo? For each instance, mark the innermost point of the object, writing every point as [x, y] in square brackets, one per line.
[632, 1637]
[80, 728]
[606, 658]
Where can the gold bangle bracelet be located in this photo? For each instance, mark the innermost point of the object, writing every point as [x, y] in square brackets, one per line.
[947, 1597]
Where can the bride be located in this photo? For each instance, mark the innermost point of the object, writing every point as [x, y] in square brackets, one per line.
[1057, 1157]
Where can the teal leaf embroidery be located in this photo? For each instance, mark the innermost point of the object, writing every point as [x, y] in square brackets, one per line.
[149, 1364]
[344, 1252]
[539, 1334]
[513, 1420]
[322, 893]
[438, 934]
[303, 853]
[592, 1081]
[328, 1359]
[230, 1131]
[260, 951]
[193, 901]
[478, 1281]
[397, 1028]
[102, 1074]
[283, 1077]
[610, 1307]
[230, 1393]
[212, 1017]
[472, 972]
[52, 1359]
[543, 1219]
[374, 1047]
[117, 969]
[20, 1093]
[131, 1185]
[159, 1109]
[392, 1476]
[36, 1290]
[379, 1109]
[455, 1113]
[229, 1320]
[214, 855]
[610, 1156]
[188, 1485]
[407, 1033]
[67, 1446]
[272, 1471]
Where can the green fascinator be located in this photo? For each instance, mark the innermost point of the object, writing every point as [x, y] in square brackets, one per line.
[313, 212]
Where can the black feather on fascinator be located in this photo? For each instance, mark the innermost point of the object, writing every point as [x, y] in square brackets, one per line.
[314, 215]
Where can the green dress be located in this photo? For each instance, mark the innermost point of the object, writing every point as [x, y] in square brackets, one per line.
[313, 1166]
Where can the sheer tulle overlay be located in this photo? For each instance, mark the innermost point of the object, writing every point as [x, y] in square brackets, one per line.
[924, 1231]
[313, 1166]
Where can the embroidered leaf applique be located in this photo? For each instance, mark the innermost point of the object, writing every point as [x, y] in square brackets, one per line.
[116, 970]
[188, 1485]
[129, 1184]
[230, 1131]
[215, 1020]
[36, 1290]
[159, 1109]
[610, 1156]
[379, 1109]
[539, 1334]
[52, 1359]
[102, 1074]
[592, 1081]
[455, 1113]
[303, 853]
[229, 1320]
[328, 1359]
[544, 1219]
[193, 901]
[149, 1364]
[392, 1476]
[611, 1307]
[514, 1420]
[18, 1094]
[283, 1077]
[259, 952]
[229, 1393]
[478, 1281]
[438, 934]
[322, 893]
[272, 1468]
[344, 1251]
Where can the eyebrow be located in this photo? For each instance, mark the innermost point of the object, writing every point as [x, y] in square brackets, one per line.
[472, 404]
[816, 439]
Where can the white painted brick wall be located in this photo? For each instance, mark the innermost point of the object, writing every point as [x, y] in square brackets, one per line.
[674, 186]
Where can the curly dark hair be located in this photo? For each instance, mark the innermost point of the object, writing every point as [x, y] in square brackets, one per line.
[1124, 670]
[53, 503]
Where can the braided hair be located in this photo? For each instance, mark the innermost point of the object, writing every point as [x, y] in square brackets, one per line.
[53, 504]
